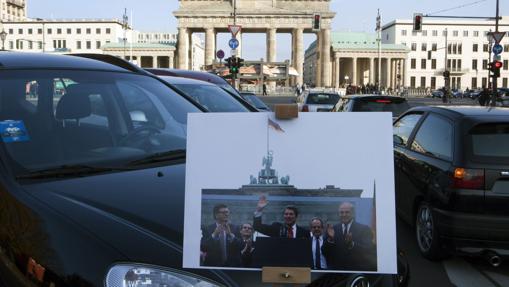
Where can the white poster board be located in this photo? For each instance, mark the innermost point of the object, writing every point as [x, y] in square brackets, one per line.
[284, 178]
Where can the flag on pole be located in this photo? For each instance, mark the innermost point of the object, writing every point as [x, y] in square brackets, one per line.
[275, 125]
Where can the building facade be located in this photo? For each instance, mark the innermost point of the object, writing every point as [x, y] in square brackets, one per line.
[13, 10]
[467, 48]
[355, 58]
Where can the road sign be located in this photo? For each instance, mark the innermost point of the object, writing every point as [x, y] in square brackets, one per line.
[220, 54]
[233, 43]
[497, 49]
[497, 58]
[234, 29]
[497, 36]
[234, 52]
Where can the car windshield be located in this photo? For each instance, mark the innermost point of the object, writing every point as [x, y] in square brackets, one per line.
[53, 118]
[395, 106]
[490, 141]
[322, 99]
[255, 101]
[211, 97]
[230, 89]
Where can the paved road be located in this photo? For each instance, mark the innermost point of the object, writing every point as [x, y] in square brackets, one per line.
[458, 271]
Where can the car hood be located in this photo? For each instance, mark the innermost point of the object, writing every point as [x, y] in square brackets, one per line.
[140, 213]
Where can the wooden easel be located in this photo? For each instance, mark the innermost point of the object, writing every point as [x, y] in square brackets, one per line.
[286, 275]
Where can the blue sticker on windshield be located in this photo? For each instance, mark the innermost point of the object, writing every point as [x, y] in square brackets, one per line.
[13, 131]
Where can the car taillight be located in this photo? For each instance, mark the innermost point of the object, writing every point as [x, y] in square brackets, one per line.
[468, 178]
[305, 108]
[383, 101]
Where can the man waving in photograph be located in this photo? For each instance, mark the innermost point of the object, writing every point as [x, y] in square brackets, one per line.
[288, 228]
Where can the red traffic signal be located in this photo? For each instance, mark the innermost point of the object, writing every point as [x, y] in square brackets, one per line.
[418, 22]
[316, 22]
[497, 65]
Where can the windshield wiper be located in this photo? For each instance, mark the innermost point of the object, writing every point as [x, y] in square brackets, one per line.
[173, 155]
[68, 171]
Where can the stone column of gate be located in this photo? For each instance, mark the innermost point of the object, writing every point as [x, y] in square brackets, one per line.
[337, 77]
[182, 48]
[171, 65]
[372, 70]
[210, 45]
[318, 71]
[271, 52]
[354, 71]
[403, 73]
[326, 59]
[299, 55]
[239, 48]
[388, 73]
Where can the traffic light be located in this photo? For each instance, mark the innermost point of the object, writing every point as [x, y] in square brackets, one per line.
[495, 67]
[234, 69]
[316, 22]
[418, 22]
[228, 62]
[240, 63]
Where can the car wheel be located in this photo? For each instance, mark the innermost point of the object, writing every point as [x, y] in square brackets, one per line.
[426, 233]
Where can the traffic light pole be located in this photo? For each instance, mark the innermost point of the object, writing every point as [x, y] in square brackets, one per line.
[447, 74]
[494, 80]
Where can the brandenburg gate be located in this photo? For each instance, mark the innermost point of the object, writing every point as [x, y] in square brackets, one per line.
[258, 16]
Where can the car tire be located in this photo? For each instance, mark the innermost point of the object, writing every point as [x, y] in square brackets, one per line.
[426, 231]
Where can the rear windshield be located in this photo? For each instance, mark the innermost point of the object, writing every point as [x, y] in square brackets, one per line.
[396, 106]
[490, 141]
[213, 98]
[322, 99]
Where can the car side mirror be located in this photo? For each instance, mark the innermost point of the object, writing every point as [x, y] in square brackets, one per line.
[138, 116]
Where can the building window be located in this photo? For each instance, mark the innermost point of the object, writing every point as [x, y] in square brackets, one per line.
[423, 63]
[444, 33]
[11, 45]
[434, 47]
[506, 48]
[459, 64]
[449, 63]
[11, 31]
[412, 63]
[30, 45]
[98, 44]
[485, 48]
[425, 33]
[460, 48]
[449, 48]
[505, 66]
[78, 45]
[474, 64]
[434, 33]
[474, 83]
[476, 33]
[69, 31]
[89, 30]
[455, 33]
[30, 31]
[424, 47]
[504, 82]
[89, 45]
[108, 31]
[465, 33]
[412, 82]
[414, 47]
[433, 83]
[433, 64]
[475, 47]
[39, 31]
[40, 45]
[49, 31]
[59, 31]
[403, 32]
[484, 82]
[423, 82]
[78, 30]
[484, 64]
[98, 30]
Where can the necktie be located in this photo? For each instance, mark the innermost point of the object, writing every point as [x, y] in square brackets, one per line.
[290, 232]
[222, 242]
[318, 263]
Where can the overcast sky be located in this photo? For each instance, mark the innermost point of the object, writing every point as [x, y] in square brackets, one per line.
[358, 16]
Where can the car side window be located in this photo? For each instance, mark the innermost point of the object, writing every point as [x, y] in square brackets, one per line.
[403, 128]
[434, 137]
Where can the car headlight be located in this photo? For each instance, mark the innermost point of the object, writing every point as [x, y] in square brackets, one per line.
[134, 275]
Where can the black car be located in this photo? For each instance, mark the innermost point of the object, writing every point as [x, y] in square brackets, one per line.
[92, 179]
[452, 179]
[372, 103]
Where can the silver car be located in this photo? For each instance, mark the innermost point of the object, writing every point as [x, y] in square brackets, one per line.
[317, 101]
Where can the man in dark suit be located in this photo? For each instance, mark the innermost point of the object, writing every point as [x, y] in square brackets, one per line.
[317, 241]
[247, 246]
[349, 244]
[220, 241]
[288, 228]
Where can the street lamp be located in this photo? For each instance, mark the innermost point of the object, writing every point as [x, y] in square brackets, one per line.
[3, 35]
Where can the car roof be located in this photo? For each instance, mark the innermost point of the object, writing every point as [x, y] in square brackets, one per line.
[371, 96]
[17, 60]
[198, 75]
[468, 111]
[184, 81]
